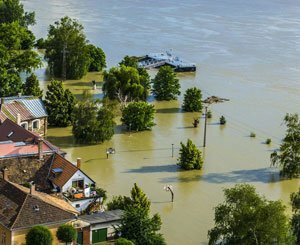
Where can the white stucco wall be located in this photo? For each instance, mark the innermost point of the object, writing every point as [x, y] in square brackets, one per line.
[77, 176]
[83, 204]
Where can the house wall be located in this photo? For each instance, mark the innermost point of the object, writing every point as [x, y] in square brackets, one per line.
[83, 204]
[77, 176]
[19, 237]
[5, 233]
[43, 126]
[110, 228]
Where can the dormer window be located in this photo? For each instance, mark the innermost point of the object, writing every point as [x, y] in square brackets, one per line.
[36, 208]
[24, 125]
[10, 134]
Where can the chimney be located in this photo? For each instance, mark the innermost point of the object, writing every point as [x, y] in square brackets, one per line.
[32, 189]
[19, 94]
[18, 118]
[5, 174]
[40, 148]
[79, 162]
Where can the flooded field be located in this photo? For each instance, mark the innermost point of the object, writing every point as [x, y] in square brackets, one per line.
[246, 52]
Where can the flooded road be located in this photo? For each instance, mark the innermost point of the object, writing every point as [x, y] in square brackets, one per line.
[246, 52]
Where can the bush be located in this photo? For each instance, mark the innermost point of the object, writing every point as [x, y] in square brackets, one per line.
[252, 135]
[66, 233]
[39, 235]
[222, 120]
[123, 241]
[190, 157]
[268, 141]
[209, 114]
[138, 116]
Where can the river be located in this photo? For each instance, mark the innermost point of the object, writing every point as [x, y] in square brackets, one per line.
[246, 51]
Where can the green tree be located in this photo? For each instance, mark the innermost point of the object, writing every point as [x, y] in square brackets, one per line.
[66, 37]
[60, 104]
[97, 58]
[13, 10]
[125, 84]
[39, 235]
[295, 222]
[118, 202]
[189, 156]
[247, 218]
[131, 61]
[138, 116]
[192, 101]
[139, 227]
[123, 241]
[92, 125]
[288, 157]
[165, 84]
[32, 86]
[66, 233]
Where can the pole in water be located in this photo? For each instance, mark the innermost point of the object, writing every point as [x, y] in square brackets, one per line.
[172, 150]
[106, 153]
[204, 139]
[170, 189]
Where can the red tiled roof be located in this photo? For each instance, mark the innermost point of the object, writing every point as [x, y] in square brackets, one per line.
[68, 170]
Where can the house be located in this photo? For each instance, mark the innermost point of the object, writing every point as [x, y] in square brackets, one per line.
[26, 111]
[72, 182]
[97, 227]
[22, 208]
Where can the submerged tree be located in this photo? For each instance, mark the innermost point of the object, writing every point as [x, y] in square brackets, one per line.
[165, 84]
[138, 116]
[190, 157]
[60, 104]
[192, 101]
[295, 200]
[247, 218]
[288, 156]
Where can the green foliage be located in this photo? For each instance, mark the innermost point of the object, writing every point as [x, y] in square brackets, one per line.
[118, 202]
[59, 104]
[138, 116]
[295, 222]
[192, 101]
[40, 43]
[123, 241]
[67, 34]
[91, 124]
[32, 86]
[126, 83]
[131, 61]
[189, 156]
[209, 114]
[66, 233]
[247, 218]
[165, 84]
[97, 58]
[288, 157]
[13, 10]
[39, 235]
[268, 141]
[222, 120]
[102, 193]
[252, 135]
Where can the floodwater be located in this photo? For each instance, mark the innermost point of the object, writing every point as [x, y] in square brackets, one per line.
[246, 51]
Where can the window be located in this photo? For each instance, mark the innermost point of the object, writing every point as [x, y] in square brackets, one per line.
[78, 184]
[36, 124]
[24, 125]
[77, 205]
[3, 242]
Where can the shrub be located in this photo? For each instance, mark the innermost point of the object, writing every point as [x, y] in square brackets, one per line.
[66, 233]
[192, 100]
[252, 135]
[39, 235]
[268, 141]
[123, 241]
[222, 120]
[209, 114]
[190, 157]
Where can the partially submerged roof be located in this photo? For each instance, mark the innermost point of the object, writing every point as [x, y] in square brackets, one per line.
[19, 209]
[102, 217]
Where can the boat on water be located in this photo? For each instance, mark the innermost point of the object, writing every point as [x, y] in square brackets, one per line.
[156, 60]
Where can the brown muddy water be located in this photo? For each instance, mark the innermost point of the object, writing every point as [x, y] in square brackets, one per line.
[247, 52]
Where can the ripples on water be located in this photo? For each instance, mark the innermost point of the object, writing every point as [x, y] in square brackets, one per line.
[247, 51]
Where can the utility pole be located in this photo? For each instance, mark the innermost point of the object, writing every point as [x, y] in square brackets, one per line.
[64, 68]
[204, 139]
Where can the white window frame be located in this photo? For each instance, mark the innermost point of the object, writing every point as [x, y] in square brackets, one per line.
[38, 122]
[24, 123]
